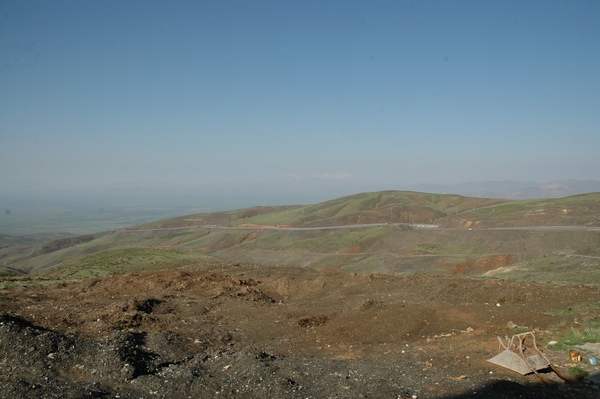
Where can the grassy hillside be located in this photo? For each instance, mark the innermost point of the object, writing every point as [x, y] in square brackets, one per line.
[578, 210]
[215, 218]
[39, 256]
[6, 271]
[127, 260]
[553, 269]
[376, 207]
[367, 232]
[12, 241]
[407, 207]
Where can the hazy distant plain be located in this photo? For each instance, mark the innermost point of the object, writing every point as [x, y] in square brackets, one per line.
[87, 212]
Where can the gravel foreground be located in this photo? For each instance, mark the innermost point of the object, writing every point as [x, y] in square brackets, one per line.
[201, 334]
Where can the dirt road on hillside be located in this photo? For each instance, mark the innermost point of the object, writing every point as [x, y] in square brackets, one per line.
[246, 331]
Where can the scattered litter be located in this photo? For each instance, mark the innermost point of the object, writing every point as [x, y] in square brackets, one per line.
[443, 335]
[575, 356]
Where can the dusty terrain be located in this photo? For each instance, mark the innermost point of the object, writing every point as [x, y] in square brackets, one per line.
[248, 331]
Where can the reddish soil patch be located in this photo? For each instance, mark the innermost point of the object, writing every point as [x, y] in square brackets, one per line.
[356, 249]
[492, 262]
[475, 266]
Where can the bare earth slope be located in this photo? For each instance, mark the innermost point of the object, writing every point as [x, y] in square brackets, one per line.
[248, 331]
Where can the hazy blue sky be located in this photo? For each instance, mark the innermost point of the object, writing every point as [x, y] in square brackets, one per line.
[296, 96]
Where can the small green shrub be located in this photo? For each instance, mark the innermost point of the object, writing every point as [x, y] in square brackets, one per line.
[585, 335]
[577, 372]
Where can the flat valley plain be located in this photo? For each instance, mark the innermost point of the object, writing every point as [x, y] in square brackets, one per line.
[388, 294]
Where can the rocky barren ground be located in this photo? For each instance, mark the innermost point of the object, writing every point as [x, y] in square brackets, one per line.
[247, 331]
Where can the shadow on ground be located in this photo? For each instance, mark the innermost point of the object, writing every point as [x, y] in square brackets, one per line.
[510, 390]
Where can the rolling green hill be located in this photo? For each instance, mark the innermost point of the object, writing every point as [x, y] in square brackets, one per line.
[125, 260]
[375, 207]
[390, 231]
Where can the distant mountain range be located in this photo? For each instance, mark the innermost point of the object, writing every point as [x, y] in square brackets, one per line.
[515, 189]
